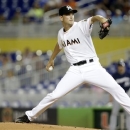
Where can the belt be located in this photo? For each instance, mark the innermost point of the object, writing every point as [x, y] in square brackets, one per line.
[83, 62]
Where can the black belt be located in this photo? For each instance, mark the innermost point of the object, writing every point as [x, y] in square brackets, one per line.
[82, 62]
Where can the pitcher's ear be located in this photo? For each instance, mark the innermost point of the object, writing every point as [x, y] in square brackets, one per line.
[61, 18]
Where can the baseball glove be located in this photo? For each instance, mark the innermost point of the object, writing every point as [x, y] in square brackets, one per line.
[104, 28]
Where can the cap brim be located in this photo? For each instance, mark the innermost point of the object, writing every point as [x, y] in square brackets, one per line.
[70, 11]
[75, 11]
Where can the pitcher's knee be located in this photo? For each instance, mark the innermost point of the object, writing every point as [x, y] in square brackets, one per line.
[53, 96]
[117, 89]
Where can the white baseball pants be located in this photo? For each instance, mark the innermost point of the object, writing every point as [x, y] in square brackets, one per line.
[92, 73]
[114, 115]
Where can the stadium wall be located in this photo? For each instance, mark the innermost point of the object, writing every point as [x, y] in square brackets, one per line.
[79, 117]
[102, 46]
[97, 117]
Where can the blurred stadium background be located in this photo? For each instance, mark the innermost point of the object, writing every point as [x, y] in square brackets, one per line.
[28, 32]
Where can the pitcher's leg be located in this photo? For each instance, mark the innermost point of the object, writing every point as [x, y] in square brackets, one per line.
[114, 114]
[101, 78]
[67, 83]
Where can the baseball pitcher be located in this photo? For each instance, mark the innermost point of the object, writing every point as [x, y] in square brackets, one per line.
[75, 39]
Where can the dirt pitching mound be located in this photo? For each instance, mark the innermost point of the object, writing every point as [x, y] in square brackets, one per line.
[31, 126]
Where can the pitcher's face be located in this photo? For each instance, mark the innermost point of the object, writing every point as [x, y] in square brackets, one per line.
[68, 19]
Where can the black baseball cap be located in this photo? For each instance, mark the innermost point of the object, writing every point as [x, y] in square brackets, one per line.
[66, 10]
[121, 63]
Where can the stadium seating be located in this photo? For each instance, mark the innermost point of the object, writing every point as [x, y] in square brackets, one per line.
[46, 86]
[9, 7]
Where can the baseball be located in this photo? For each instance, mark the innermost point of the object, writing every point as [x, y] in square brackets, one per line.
[50, 68]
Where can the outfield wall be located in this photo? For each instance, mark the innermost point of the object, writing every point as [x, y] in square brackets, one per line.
[102, 46]
[79, 117]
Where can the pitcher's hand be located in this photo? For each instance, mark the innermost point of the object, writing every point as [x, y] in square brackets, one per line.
[49, 64]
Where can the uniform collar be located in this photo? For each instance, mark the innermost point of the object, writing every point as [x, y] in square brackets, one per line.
[69, 29]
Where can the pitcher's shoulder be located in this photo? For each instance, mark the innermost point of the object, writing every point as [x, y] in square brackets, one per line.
[60, 31]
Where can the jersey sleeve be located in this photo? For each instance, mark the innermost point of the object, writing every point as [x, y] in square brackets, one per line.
[59, 40]
[86, 26]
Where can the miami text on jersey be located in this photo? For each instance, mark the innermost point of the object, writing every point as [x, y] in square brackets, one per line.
[71, 42]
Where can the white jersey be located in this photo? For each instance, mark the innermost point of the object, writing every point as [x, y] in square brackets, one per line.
[77, 42]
